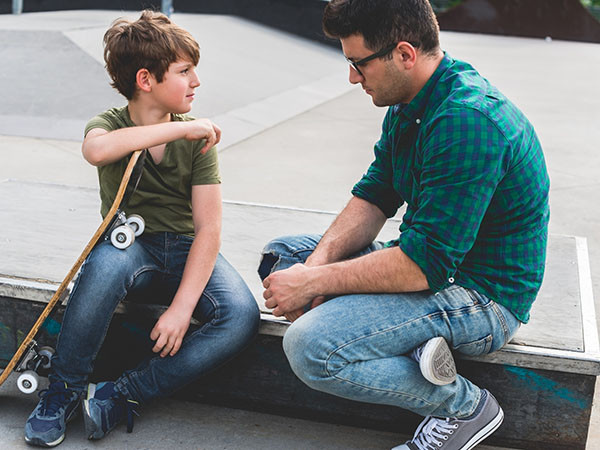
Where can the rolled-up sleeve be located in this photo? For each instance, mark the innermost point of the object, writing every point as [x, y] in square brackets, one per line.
[464, 157]
[376, 186]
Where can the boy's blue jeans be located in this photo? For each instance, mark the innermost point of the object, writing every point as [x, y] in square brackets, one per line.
[357, 346]
[150, 272]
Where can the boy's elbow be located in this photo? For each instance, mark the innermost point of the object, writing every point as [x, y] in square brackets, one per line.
[93, 156]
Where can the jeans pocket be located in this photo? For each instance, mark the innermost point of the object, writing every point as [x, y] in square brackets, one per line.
[476, 348]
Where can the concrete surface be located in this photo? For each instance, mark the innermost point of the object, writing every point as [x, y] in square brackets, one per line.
[295, 134]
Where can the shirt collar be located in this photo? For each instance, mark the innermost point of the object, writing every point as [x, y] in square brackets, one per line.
[415, 109]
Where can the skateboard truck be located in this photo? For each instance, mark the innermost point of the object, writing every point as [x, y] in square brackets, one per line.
[34, 359]
[124, 230]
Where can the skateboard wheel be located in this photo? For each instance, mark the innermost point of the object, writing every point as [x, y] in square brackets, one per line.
[28, 382]
[46, 353]
[122, 237]
[137, 223]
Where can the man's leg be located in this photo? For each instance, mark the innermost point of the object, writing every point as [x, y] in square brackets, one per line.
[362, 353]
[434, 356]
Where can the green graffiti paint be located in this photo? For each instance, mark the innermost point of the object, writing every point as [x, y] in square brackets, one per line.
[540, 383]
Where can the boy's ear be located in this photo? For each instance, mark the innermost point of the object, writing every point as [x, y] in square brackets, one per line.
[143, 79]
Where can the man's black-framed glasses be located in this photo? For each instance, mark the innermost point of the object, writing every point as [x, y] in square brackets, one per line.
[361, 62]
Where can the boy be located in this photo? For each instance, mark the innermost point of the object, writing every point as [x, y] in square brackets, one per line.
[176, 261]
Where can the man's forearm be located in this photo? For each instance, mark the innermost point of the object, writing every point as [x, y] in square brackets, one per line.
[355, 228]
[384, 271]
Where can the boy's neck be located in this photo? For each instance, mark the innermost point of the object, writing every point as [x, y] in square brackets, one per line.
[142, 113]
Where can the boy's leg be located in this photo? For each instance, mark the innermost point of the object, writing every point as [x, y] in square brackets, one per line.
[230, 318]
[104, 280]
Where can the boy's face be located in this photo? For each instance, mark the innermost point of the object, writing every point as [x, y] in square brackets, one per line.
[176, 91]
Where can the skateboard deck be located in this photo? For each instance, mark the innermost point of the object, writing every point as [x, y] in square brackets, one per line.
[29, 357]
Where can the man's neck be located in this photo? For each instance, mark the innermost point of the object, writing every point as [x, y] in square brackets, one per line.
[424, 69]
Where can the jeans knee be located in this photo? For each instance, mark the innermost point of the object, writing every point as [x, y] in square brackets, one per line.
[284, 252]
[306, 358]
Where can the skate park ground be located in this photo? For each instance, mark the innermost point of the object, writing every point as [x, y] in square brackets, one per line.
[295, 133]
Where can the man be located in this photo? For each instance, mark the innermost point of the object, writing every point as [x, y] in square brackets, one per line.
[470, 256]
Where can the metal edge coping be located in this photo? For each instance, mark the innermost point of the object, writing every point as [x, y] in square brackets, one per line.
[291, 208]
[591, 345]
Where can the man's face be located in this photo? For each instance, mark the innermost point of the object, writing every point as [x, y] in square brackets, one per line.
[382, 78]
[176, 91]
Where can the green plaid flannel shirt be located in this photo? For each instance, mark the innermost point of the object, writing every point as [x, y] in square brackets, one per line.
[471, 170]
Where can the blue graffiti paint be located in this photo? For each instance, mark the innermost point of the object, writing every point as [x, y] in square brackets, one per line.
[51, 326]
[540, 383]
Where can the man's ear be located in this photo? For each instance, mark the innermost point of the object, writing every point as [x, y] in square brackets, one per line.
[407, 54]
[143, 80]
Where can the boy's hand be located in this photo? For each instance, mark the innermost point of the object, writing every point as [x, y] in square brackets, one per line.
[203, 129]
[169, 332]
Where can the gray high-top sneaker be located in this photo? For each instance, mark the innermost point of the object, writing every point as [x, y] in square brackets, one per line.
[435, 361]
[458, 434]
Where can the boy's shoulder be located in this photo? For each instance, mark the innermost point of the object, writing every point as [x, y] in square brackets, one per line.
[111, 119]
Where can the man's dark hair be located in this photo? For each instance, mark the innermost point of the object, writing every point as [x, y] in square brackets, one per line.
[383, 22]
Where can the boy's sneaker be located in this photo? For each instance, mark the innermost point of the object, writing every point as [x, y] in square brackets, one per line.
[458, 434]
[47, 423]
[104, 408]
[436, 361]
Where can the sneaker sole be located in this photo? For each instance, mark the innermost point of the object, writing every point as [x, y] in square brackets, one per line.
[40, 443]
[485, 431]
[89, 424]
[437, 363]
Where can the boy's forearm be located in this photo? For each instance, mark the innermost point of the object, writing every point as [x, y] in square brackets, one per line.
[198, 268]
[106, 148]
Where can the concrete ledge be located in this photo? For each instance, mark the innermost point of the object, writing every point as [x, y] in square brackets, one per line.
[544, 377]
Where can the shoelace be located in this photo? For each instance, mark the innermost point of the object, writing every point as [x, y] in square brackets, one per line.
[126, 407]
[432, 433]
[131, 411]
[55, 397]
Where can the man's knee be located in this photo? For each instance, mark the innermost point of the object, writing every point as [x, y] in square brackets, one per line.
[306, 352]
[284, 252]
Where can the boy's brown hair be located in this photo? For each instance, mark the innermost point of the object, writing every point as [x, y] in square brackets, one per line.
[152, 42]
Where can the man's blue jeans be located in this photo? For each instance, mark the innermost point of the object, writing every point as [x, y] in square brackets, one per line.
[357, 346]
[150, 272]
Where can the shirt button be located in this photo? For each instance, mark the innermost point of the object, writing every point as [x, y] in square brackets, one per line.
[451, 280]
[418, 121]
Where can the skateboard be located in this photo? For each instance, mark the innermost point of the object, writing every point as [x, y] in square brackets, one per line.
[30, 359]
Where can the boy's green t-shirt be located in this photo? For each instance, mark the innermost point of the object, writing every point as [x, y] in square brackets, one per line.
[164, 193]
